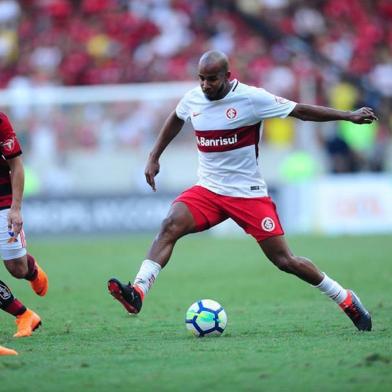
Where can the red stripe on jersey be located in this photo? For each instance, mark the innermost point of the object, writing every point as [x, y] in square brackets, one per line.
[5, 180]
[228, 139]
[9, 144]
[5, 201]
[9, 148]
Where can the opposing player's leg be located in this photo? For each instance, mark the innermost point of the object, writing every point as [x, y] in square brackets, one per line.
[7, 351]
[26, 320]
[277, 251]
[19, 263]
[26, 267]
[179, 222]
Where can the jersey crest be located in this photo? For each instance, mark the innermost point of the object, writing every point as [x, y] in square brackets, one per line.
[231, 113]
[9, 145]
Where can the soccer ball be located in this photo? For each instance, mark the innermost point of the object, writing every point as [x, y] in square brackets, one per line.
[205, 318]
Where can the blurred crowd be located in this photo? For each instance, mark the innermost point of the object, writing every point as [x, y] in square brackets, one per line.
[72, 42]
[345, 49]
[86, 42]
[329, 52]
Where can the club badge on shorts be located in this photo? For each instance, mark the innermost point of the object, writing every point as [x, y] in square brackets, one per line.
[267, 224]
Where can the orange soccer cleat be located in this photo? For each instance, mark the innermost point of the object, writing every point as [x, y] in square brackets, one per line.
[7, 351]
[40, 283]
[26, 323]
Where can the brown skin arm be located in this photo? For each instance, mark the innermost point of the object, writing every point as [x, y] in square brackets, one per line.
[168, 132]
[15, 220]
[306, 112]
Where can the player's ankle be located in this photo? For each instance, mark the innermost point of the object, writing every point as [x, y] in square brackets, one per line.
[347, 300]
[15, 308]
[139, 290]
[32, 270]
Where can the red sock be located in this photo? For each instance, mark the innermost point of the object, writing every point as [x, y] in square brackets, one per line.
[8, 302]
[32, 270]
[15, 308]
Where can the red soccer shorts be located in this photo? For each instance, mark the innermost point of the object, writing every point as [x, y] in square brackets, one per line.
[257, 216]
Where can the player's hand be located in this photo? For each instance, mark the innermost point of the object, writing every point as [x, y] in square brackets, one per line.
[15, 221]
[363, 116]
[152, 169]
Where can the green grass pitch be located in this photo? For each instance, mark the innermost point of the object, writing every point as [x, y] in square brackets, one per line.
[282, 334]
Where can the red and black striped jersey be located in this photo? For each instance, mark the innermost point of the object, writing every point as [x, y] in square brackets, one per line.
[9, 148]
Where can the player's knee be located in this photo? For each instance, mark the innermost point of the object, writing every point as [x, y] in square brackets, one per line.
[285, 263]
[171, 228]
[17, 269]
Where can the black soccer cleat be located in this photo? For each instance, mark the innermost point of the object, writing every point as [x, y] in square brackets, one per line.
[126, 294]
[354, 309]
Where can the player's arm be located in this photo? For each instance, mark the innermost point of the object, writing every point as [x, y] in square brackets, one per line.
[168, 132]
[306, 112]
[15, 220]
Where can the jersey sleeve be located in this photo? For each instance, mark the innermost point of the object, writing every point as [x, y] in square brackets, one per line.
[183, 109]
[267, 105]
[9, 144]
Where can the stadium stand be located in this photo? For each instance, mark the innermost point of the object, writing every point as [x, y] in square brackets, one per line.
[341, 49]
[95, 42]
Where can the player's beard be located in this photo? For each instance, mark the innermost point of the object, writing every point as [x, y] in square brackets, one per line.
[220, 93]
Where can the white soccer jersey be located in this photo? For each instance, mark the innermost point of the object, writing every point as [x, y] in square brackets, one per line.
[227, 132]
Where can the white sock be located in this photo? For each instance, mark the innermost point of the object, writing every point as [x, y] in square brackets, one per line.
[332, 289]
[147, 274]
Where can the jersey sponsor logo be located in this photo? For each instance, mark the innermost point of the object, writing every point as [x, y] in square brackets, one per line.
[267, 224]
[227, 139]
[231, 113]
[221, 141]
[8, 145]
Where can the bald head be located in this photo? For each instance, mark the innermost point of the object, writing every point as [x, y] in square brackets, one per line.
[214, 74]
[215, 60]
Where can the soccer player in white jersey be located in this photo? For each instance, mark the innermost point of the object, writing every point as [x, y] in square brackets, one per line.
[227, 117]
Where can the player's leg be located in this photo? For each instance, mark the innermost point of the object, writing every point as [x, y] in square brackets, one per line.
[258, 217]
[178, 223]
[26, 320]
[18, 262]
[193, 211]
[277, 251]
[26, 267]
[7, 351]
